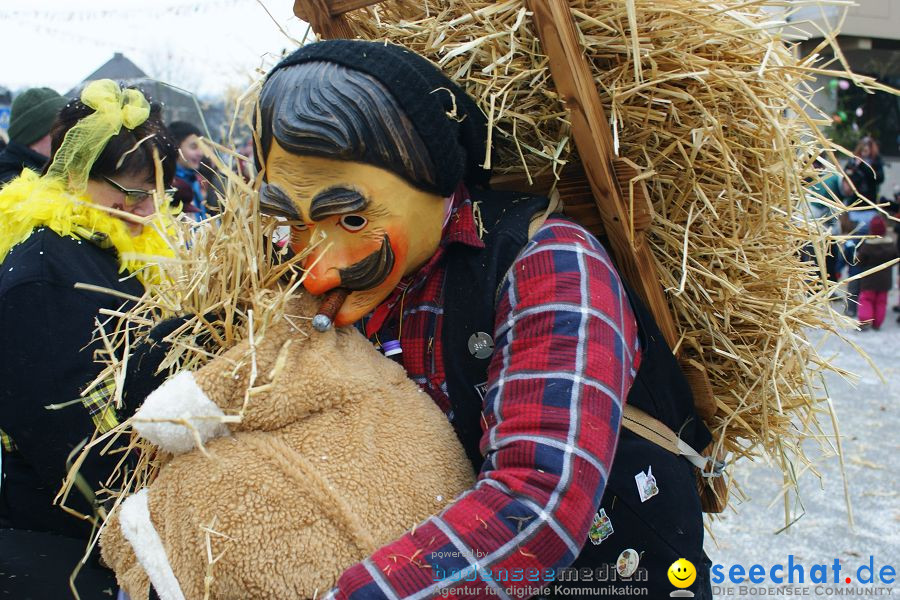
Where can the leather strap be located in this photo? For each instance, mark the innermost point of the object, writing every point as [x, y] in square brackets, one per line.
[556, 205]
[654, 430]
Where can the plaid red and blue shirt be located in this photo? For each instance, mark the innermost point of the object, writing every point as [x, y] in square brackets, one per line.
[566, 353]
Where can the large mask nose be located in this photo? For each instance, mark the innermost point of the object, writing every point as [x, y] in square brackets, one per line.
[322, 273]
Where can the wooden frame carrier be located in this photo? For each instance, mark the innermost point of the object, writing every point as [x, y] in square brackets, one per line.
[619, 198]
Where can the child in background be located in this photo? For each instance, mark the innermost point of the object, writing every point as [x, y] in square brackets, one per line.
[189, 184]
[852, 229]
[874, 288]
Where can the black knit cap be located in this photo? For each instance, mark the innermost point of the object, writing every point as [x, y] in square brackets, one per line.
[449, 122]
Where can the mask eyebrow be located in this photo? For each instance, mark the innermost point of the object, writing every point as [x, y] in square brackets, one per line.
[336, 201]
[274, 201]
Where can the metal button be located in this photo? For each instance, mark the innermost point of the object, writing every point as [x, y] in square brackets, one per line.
[481, 345]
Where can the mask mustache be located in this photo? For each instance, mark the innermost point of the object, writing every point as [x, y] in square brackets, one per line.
[370, 271]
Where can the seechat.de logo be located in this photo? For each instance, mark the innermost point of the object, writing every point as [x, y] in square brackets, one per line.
[682, 574]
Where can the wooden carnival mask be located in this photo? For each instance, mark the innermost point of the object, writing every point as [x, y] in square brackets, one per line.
[362, 144]
[370, 227]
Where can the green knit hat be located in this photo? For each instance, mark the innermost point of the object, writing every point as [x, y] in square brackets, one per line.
[32, 114]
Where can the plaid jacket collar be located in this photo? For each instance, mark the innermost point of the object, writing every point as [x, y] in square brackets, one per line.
[461, 228]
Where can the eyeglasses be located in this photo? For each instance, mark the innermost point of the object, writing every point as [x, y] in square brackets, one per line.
[134, 197]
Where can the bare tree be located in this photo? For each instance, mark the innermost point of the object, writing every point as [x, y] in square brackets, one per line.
[168, 66]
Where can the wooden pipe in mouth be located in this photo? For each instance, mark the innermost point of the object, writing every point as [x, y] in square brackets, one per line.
[329, 308]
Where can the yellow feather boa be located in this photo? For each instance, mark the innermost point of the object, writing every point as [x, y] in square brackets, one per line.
[31, 201]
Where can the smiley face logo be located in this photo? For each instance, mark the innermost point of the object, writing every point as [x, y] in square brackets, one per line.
[682, 573]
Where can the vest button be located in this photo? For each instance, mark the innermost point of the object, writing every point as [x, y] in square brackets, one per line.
[481, 345]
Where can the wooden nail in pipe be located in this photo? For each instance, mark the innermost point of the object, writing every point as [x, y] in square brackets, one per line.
[329, 308]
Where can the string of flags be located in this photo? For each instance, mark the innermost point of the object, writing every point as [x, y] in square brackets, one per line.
[183, 8]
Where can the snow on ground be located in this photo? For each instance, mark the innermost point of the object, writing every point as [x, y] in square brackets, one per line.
[869, 419]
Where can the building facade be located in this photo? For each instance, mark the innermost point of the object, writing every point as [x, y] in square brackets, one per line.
[870, 43]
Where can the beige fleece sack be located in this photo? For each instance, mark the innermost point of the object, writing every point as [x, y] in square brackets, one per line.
[336, 453]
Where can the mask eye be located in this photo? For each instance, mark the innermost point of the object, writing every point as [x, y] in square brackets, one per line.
[299, 226]
[353, 223]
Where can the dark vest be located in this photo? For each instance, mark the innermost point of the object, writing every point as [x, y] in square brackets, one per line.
[664, 528]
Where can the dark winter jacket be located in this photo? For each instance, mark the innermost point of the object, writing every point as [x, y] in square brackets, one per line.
[871, 253]
[190, 192]
[47, 357]
[16, 157]
[866, 177]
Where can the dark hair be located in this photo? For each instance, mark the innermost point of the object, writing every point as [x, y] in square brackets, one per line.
[119, 156]
[325, 109]
[181, 130]
[867, 141]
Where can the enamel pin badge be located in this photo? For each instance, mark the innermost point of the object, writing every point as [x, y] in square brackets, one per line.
[601, 528]
[646, 484]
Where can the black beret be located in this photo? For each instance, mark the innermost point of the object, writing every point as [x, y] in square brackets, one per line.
[452, 127]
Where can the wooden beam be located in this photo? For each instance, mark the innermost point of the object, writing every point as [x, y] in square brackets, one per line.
[326, 11]
[591, 132]
[623, 224]
[318, 14]
[339, 7]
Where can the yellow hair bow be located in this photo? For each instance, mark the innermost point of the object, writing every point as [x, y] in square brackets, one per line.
[113, 109]
[105, 96]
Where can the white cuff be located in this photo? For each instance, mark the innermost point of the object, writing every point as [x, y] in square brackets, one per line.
[179, 399]
[138, 529]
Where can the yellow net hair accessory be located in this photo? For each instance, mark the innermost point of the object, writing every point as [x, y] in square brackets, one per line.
[113, 109]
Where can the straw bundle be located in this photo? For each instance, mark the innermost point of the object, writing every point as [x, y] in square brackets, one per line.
[712, 103]
[226, 277]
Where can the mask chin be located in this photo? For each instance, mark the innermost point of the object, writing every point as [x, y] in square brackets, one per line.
[344, 317]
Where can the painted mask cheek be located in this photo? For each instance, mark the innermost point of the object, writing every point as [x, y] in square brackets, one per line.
[398, 238]
[297, 247]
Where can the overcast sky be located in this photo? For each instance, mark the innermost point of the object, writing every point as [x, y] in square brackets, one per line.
[200, 45]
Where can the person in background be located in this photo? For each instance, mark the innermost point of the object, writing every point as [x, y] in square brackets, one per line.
[190, 184]
[246, 168]
[214, 184]
[31, 115]
[865, 170]
[825, 193]
[852, 230]
[83, 221]
[870, 253]
[893, 210]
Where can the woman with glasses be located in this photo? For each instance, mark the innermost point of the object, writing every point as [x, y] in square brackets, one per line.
[89, 219]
